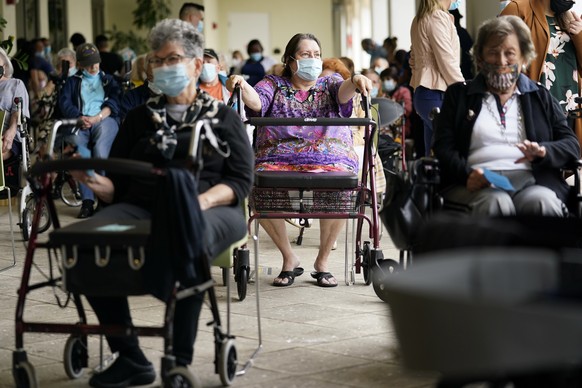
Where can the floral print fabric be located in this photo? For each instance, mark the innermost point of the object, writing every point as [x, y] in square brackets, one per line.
[308, 148]
[560, 74]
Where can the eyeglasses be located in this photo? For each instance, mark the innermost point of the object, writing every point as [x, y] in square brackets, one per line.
[173, 59]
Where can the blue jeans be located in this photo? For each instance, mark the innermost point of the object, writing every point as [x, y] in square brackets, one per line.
[98, 139]
[424, 101]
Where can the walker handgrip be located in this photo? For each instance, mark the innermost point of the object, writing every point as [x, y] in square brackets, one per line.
[111, 165]
[309, 121]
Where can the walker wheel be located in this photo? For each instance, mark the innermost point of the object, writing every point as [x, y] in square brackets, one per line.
[181, 377]
[241, 272]
[227, 362]
[26, 224]
[75, 357]
[385, 268]
[70, 193]
[24, 375]
[367, 263]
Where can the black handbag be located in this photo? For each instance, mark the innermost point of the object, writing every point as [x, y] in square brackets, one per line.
[410, 198]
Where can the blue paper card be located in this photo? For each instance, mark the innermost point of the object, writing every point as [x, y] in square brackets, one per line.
[497, 180]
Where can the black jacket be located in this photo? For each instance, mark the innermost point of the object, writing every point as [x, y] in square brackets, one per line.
[545, 123]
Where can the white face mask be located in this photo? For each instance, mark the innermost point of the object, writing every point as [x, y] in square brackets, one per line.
[503, 4]
[208, 73]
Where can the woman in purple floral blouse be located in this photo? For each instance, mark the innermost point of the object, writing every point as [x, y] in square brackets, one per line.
[300, 92]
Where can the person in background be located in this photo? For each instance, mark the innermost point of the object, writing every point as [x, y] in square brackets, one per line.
[40, 70]
[301, 92]
[374, 49]
[376, 84]
[349, 64]
[390, 45]
[210, 80]
[92, 97]
[139, 95]
[77, 39]
[380, 64]
[257, 65]
[503, 123]
[556, 35]
[466, 43]
[111, 63]
[10, 89]
[236, 62]
[334, 65]
[398, 93]
[434, 58]
[193, 13]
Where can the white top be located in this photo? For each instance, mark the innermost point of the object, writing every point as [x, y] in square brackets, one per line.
[493, 147]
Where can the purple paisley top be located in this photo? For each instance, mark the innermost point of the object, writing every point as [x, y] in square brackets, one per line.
[310, 148]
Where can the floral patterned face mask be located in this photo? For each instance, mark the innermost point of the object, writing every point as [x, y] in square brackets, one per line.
[500, 77]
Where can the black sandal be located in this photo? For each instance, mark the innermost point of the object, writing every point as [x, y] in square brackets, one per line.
[321, 276]
[289, 275]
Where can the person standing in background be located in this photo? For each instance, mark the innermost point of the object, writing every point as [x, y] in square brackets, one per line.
[466, 44]
[193, 13]
[434, 58]
[556, 35]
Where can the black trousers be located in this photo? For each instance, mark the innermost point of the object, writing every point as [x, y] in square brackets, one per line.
[224, 226]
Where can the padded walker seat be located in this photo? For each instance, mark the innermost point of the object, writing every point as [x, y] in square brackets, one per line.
[306, 180]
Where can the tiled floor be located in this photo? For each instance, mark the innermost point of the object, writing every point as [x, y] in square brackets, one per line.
[312, 336]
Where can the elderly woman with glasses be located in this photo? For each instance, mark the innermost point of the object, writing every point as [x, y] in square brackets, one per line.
[149, 133]
[301, 92]
[501, 125]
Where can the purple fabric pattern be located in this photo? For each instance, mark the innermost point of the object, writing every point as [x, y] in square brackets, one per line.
[299, 148]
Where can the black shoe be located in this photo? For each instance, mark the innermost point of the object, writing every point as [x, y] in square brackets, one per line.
[124, 372]
[86, 209]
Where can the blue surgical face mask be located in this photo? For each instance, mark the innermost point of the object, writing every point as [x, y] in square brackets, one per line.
[208, 72]
[72, 71]
[200, 26]
[374, 92]
[389, 85]
[309, 69]
[88, 75]
[256, 56]
[171, 80]
[455, 5]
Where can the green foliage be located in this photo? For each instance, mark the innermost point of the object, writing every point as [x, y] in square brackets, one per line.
[145, 16]
[149, 12]
[20, 58]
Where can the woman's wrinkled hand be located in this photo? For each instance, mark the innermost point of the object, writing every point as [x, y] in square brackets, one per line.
[362, 83]
[233, 81]
[531, 150]
[477, 181]
[7, 141]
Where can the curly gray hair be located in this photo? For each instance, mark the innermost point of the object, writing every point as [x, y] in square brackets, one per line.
[179, 32]
[8, 68]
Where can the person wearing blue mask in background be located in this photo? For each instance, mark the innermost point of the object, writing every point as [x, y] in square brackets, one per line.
[193, 13]
[92, 97]
[258, 65]
[434, 58]
[211, 81]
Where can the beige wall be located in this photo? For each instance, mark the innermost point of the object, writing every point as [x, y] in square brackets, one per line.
[79, 18]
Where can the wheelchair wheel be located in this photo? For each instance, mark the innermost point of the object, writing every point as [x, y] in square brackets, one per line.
[26, 224]
[70, 192]
[385, 268]
[24, 375]
[75, 356]
[227, 362]
[367, 264]
[181, 377]
[241, 272]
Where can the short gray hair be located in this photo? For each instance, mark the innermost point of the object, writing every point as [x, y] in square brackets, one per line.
[67, 52]
[8, 68]
[179, 32]
[501, 27]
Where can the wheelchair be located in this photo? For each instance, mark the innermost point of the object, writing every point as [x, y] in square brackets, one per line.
[78, 252]
[291, 195]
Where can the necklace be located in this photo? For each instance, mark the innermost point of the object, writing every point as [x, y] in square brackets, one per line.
[500, 118]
